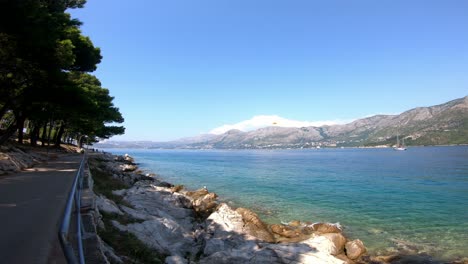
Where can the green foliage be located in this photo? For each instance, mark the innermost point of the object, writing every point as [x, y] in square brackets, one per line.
[124, 219]
[44, 58]
[65, 55]
[94, 99]
[127, 244]
[124, 243]
[104, 183]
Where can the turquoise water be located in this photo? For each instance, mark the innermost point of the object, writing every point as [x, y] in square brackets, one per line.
[392, 200]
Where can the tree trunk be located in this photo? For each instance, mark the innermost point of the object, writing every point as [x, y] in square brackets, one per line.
[34, 134]
[20, 125]
[54, 136]
[78, 140]
[3, 110]
[8, 133]
[59, 134]
[44, 134]
[50, 132]
[81, 140]
[65, 137]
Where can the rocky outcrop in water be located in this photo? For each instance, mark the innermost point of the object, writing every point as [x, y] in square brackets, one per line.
[122, 168]
[202, 201]
[354, 249]
[191, 226]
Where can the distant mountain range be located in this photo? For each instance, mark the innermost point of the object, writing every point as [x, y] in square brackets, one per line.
[436, 125]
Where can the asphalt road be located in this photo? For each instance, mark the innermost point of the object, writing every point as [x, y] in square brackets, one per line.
[31, 207]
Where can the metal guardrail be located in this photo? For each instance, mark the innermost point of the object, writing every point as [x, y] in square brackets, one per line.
[73, 197]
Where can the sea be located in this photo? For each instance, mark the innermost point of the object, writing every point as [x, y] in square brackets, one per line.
[411, 202]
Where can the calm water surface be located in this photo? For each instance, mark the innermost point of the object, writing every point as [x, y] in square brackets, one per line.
[392, 200]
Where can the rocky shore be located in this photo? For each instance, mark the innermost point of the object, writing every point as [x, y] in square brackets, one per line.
[14, 159]
[175, 225]
[193, 227]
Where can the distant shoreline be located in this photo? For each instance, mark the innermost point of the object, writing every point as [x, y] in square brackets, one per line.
[357, 147]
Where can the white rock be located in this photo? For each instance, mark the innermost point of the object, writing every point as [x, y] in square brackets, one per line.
[302, 253]
[136, 214]
[110, 253]
[355, 248]
[330, 243]
[159, 202]
[106, 205]
[119, 226]
[164, 235]
[175, 260]
[13, 159]
[225, 220]
[119, 192]
[128, 167]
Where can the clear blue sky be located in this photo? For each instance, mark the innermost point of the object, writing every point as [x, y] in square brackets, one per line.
[182, 67]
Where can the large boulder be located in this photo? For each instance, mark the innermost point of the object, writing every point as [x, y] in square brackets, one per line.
[355, 249]
[124, 159]
[119, 158]
[165, 235]
[230, 240]
[107, 206]
[129, 159]
[197, 194]
[229, 245]
[176, 188]
[224, 232]
[295, 223]
[6, 165]
[223, 221]
[136, 214]
[14, 159]
[205, 204]
[119, 192]
[175, 260]
[327, 228]
[128, 167]
[254, 226]
[285, 231]
[160, 202]
[247, 253]
[227, 239]
[331, 243]
[301, 253]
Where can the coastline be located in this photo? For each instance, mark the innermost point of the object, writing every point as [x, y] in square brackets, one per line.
[128, 171]
[192, 226]
[405, 249]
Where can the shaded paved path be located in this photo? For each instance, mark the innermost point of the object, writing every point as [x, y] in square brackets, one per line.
[31, 205]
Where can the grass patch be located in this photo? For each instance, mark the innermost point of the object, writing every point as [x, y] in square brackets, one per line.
[124, 243]
[127, 244]
[104, 184]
